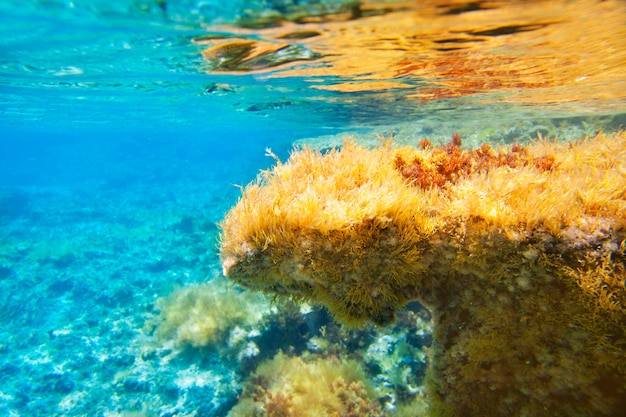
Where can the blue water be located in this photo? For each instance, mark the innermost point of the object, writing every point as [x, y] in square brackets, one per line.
[118, 158]
[110, 139]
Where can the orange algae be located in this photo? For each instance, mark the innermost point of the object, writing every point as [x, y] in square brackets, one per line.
[447, 163]
[522, 263]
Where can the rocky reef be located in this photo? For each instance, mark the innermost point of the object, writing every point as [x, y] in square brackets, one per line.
[518, 252]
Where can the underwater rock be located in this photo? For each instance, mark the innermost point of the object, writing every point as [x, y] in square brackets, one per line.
[60, 287]
[135, 386]
[519, 253]
[5, 272]
[218, 89]
[13, 204]
[269, 106]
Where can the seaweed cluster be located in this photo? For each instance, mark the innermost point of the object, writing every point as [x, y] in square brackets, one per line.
[206, 314]
[293, 386]
[447, 163]
[520, 260]
[315, 367]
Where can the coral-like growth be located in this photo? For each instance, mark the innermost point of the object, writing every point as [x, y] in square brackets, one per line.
[448, 163]
[520, 262]
[292, 387]
[204, 314]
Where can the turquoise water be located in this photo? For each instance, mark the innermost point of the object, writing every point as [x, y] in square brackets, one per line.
[117, 161]
[118, 156]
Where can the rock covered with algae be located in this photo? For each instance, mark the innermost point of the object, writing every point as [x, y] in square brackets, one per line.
[519, 253]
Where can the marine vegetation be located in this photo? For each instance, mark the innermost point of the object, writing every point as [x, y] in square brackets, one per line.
[519, 253]
[205, 314]
[292, 386]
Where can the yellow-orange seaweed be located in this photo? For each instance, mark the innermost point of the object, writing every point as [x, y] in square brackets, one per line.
[292, 387]
[522, 263]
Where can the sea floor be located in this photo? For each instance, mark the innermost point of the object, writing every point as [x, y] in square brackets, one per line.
[84, 271]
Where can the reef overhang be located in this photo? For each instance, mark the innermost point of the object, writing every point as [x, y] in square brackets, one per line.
[518, 252]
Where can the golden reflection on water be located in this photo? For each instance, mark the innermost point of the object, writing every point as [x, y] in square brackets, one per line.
[531, 52]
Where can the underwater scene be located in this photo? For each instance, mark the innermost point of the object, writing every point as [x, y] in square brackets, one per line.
[287, 208]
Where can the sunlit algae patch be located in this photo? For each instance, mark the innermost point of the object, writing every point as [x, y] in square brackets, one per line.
[518, 252]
